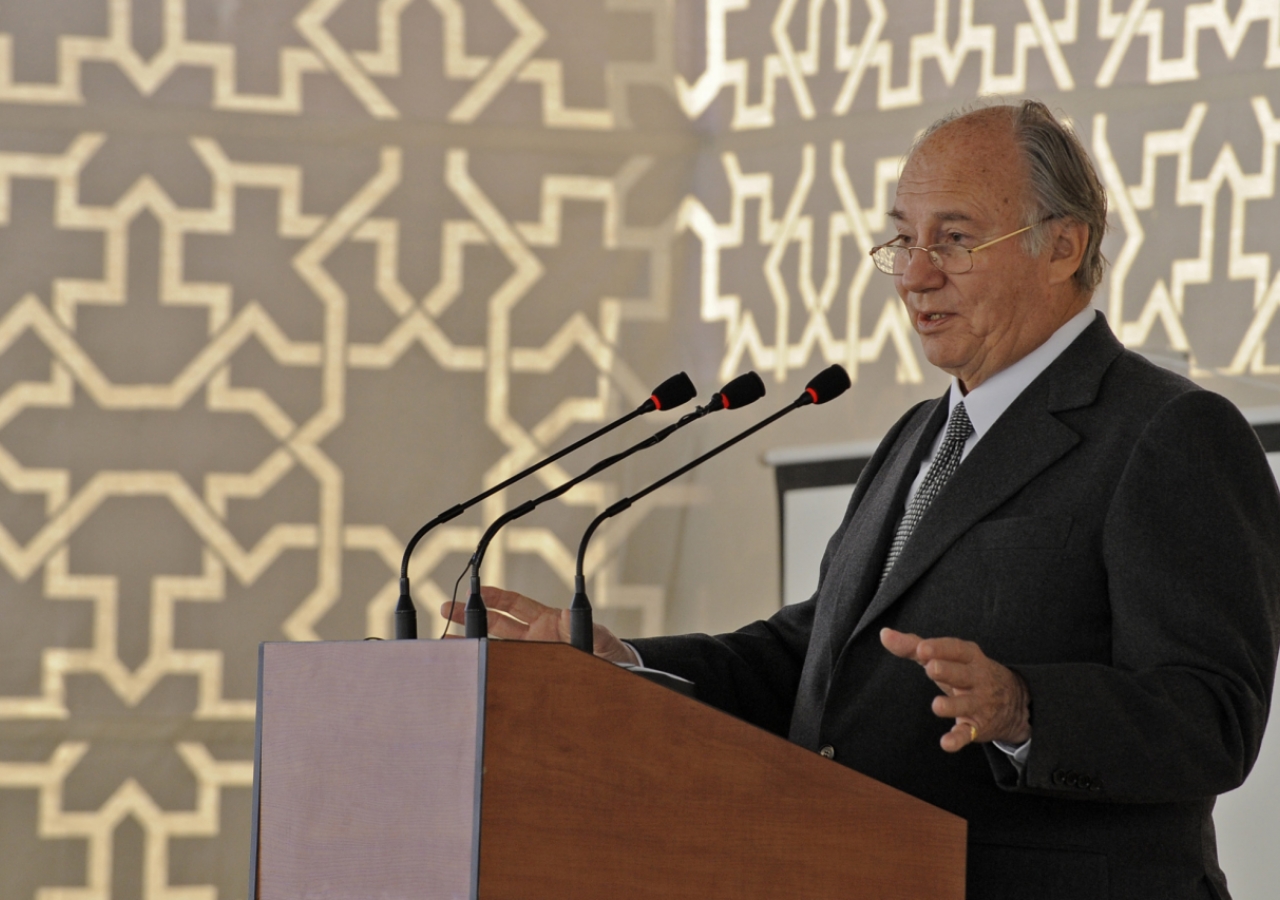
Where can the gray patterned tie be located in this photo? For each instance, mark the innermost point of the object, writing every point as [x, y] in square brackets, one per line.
[944, 466]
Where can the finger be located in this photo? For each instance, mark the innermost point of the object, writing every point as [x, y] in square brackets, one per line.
[957, 706]
[960, 736]
[948, 648]
[499, 625]
[947, 674]
[899, 643]
[523, 608]
[505, 628]
[453, 611]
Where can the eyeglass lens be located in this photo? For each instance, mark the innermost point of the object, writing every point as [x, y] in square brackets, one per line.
[947, 257]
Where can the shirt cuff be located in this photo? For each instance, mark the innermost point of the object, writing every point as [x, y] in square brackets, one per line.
[640, 659]
[1017, 755]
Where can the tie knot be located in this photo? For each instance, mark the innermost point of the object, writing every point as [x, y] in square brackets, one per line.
[958, 427]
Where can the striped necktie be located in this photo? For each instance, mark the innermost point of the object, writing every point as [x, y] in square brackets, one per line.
[944, 466]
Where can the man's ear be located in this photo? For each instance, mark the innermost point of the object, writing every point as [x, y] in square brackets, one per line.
[1067, 244]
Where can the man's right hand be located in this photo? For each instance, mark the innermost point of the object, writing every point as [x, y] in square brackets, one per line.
[515, 617]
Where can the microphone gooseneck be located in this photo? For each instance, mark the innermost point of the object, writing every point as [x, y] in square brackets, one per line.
[828, 384]
[673, 392]
[740, 391]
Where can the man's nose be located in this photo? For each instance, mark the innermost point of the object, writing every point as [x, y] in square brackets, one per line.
[921, 274]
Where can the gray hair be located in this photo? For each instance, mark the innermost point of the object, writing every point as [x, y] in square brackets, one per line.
[1063, 183]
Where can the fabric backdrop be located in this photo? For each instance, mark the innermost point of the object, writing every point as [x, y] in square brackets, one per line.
[280, 279]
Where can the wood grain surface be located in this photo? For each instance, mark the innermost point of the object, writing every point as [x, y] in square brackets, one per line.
[598, 784]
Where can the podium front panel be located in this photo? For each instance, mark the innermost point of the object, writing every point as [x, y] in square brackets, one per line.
[600, 784]
[368, 770]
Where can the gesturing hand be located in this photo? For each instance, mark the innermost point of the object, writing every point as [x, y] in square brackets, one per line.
[515, 617]
[988, 701]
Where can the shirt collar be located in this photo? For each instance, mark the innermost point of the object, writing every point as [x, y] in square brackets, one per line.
[988, 401]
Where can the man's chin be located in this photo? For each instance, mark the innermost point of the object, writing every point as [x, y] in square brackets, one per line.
[944, 354]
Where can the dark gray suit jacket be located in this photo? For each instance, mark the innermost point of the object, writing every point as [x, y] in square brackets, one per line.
[1115, 538]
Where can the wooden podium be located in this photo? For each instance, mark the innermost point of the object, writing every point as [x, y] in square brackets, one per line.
[515, 771]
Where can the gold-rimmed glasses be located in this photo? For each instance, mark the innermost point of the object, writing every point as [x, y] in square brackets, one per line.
[954, 259]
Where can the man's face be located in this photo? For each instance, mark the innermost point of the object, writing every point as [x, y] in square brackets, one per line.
[967, 184]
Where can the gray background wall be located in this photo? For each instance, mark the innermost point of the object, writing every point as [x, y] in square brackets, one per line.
[279, 280]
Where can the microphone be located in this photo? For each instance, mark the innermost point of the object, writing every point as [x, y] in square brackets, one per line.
[742, 391]
[673, 392]
[828, 384]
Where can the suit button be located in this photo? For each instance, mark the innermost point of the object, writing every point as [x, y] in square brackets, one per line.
[1085, 782]
[827, 751]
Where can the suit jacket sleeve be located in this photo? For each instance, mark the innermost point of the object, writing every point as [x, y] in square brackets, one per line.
[754, 672]
[1191, 547]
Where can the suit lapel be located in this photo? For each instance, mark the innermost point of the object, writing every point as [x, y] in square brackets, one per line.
[1024, 441]
[866, 541]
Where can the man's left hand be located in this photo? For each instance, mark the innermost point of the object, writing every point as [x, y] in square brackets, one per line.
[989, 702]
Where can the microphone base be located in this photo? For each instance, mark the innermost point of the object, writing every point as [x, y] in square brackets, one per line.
[406, 626]
[406, 614]
[581, 630]
[477, 624]
[476, 616]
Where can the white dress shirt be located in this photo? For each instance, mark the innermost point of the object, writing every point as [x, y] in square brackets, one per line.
[988, 401]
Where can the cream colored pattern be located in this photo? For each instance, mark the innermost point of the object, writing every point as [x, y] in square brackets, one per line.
[298, 442]
[130, 800]
[856, 56]
[502, 360]
[517, 64]
[207, 370]
[361, 71]
[817, 294]
[349, 86]
[853, 55]
[1141, 20]
[1165, 301]
[147, 75]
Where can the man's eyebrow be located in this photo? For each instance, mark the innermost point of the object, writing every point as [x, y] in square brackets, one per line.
[945, 216]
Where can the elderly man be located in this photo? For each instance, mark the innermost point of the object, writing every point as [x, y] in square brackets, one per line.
[1088, 544]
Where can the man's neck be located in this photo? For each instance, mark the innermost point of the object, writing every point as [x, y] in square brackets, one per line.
[988, 401]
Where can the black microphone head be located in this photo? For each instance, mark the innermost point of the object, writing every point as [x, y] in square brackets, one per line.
[673, 392]
[742, 391]
[828, 384]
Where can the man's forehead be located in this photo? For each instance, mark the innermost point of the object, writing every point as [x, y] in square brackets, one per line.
[930, 203]
[964, 177]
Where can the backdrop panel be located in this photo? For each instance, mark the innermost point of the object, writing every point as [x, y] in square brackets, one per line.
[280, 279]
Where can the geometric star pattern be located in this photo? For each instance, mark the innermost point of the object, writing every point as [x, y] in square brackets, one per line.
[280, 279]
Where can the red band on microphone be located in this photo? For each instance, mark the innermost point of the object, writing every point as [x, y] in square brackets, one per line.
[812, 393]
[657, 404]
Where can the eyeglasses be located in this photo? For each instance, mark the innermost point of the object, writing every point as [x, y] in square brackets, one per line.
[893, 259]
